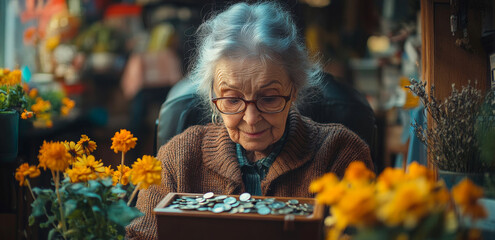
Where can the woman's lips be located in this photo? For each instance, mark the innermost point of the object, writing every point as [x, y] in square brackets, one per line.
[256, 134]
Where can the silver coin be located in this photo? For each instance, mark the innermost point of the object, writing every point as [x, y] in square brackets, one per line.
[235, 204]
[226, 207]
[245, 197]
[217, 209]
[293, 201]
[264, 210]
[230, 200]
[208, 195]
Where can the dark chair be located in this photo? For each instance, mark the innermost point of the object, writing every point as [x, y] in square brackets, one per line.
[334, 102]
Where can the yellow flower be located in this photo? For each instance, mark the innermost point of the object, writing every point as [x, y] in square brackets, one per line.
[67, 105]
[81, 174]
[125, 176]
[405, 206]
[41, 106]
[146, 171]
[87, 145]
[123, 141]
[108, 172]
[389, 178]
[26, 114]
[10, 78]
[416, 170]
[357, 172]
[356, 207]
[319, 184]
[54, 155]
[329, 189]
[33, 93]
[75, 150]
[90, 162]
[466, 195]
[26, 170]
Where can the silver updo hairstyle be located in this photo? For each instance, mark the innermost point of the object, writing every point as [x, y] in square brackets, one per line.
[264, 30]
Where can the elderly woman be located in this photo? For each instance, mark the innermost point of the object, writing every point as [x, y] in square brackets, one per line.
[251, 67]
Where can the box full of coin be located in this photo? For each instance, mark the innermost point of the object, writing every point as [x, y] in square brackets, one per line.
[221, 217]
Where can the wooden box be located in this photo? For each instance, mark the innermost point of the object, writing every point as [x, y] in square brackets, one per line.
[184, 224]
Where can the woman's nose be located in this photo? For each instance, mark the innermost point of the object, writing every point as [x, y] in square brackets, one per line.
[251, 115]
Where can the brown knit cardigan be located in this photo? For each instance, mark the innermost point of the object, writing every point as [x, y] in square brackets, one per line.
[203, 159]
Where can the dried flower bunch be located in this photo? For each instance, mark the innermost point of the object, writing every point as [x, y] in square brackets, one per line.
[452, 140]
[397, 204]
[89, 201]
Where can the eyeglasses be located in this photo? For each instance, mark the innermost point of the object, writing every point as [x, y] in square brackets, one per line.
[268, 104]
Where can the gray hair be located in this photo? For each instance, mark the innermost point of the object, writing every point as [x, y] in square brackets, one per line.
[265, 30]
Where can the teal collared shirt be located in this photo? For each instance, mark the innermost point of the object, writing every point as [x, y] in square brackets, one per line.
[253, 173]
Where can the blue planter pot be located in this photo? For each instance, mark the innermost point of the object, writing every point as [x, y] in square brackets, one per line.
[453, 178]
[9, 137]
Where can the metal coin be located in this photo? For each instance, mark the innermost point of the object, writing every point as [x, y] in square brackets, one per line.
[230, 200]
[217, 209]
[208, 195]
[245, 197]
[264, 210]
[293, 201]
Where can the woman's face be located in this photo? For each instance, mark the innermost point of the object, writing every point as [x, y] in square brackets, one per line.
[251, 79]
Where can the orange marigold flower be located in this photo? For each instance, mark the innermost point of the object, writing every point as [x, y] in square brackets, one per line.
[416, 170]
[87, 145]
[33, 93]
[389, 178]
[125, 176]
[466, 195]
[123, 141]
[90, 162]
[81, 174]
[41, 106]
[357, 207]
[75, 150]
[358, 172]
[146, 171]
[26, 114]
[67, 106]
[54, 155]
[108, 172]
[408, 204]
[328, 179]
[24, 171]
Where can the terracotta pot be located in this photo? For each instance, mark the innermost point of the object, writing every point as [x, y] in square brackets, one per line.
[9, 136]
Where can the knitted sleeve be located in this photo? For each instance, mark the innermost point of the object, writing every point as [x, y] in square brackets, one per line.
[170, 155]
[344, 147]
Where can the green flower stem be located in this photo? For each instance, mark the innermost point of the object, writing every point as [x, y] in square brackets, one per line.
[121, 168]
[30, 190]
[57, 184]
[133, 194]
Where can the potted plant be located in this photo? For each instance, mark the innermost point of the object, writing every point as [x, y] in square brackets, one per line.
[459, 129]
[397, 205]
[88, 200]
[12, 102]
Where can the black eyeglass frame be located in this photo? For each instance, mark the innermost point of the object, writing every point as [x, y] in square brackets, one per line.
[255, 102]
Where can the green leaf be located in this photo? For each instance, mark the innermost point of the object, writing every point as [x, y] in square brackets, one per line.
[372, 234]
[122, 214]
[38, 207]
[107, 182]
[92, 195]
[118, 190]
[96, 209]
[52, 233]
[69, 206]
[31, 220]
[94, 185]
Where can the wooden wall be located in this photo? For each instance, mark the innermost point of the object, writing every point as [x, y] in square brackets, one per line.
[444, 63]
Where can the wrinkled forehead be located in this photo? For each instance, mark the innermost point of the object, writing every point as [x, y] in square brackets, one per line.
[239, 72]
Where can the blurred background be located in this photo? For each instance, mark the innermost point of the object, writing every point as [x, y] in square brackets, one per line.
[118, 59]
